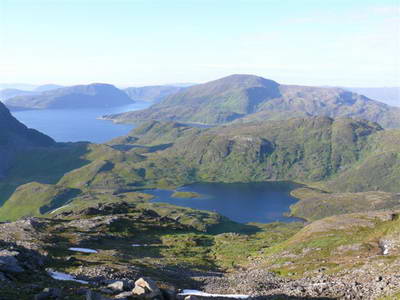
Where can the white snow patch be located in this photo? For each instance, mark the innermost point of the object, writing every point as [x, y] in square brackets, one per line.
[66, 277]
[203, 294]
[57, 209]
[84, 250]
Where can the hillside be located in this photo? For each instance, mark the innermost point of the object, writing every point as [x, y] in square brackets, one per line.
[151, 94]
[74, 97]
[92, 196]
[15, 136]
[317, 151]
[250, 98]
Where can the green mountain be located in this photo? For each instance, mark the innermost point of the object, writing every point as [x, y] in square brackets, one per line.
[74, 97]
[151, 94]
[344, 151]
[248, 98]
[336, 155]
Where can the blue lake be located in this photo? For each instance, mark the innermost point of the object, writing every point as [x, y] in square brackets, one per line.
[263, 202]
[65, 125]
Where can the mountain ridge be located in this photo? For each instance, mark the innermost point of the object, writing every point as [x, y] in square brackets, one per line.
[73, 97]
[246, 98]
[151, 93]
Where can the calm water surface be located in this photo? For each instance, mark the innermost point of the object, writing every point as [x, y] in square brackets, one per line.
[241, 202]
[65, 125]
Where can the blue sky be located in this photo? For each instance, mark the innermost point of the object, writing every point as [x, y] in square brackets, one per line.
[128, 43]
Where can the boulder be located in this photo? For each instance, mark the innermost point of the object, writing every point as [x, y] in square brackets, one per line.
[146, 288]
[124, 296]
[191, 297]
[118, 286]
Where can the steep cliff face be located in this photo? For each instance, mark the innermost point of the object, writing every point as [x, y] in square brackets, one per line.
[15, 136]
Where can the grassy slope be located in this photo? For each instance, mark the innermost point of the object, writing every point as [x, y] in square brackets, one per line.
[316, 204]
[168, 155]
[336, 243]
[378, 168]
[30, 184]
[34, 199]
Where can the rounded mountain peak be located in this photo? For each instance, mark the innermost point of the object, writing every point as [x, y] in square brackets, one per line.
[244, 81]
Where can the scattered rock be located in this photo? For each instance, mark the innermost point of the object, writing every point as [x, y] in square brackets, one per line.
[118, 286]
[146, 288]
[124, 296]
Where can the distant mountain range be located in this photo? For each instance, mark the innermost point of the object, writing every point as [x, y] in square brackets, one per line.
[47, 87]
[74, 97]
[8, 93]
[245, 98]
[11, 93]
[153, 93]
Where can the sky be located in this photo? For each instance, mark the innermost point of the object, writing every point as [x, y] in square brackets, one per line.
[133, 43]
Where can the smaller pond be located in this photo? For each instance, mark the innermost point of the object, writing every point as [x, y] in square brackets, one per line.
[262, 202]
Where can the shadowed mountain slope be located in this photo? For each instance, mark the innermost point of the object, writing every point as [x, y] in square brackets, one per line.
[16, 136]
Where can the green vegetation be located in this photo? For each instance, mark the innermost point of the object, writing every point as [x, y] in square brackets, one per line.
[247, 98]
[336, 243]
[316, 204]
[333, 155]
[151, 94]
[34, 199]
[377, 169]
[185, 195]
[163, 235]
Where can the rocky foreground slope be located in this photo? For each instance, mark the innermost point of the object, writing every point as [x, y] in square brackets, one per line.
[104, 249]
